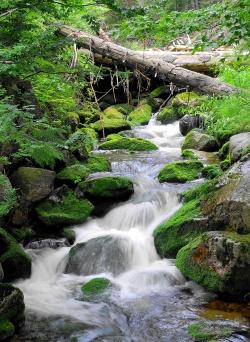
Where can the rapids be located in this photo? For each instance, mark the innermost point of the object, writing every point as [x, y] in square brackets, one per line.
[151, 300]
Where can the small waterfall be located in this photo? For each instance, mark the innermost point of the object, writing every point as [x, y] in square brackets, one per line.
[129, 227]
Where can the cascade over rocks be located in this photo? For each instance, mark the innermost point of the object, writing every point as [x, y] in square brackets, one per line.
[102, 254]
[219, 261]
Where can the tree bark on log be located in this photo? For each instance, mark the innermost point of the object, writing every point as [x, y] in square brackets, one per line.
[150, 65]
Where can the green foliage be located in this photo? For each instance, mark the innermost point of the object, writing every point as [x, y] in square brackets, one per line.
[202, 332]
[188, 154]
[182, 171]
[8, 198]
[96, 286]
[7, 329]
[212, 171]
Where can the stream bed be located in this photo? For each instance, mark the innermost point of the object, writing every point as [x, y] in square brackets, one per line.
[150, 301]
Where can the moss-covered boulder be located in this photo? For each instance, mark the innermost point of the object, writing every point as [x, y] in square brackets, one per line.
[8, 198]
[63, 208]
[110, 125]
[159, 91]
[72, 119]
[237, 145]
[15, 262]
[98, 164]
[89, 113]
[186, 99]
[111, 188]
[168, 115]
[113, 137]
[123, 108]
[130, 144]
[82, 142]
[229, 205]
[96, 286]
[33, 183]
[200, 141]
[210, 331]
[189, 154]
[181, 171]
[73, 174]
[11, 310]
[212, 171]
[141, 115]
[219, 261]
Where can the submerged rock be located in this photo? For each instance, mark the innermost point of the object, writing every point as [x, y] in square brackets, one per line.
[198, 140]
[34, 183]
[131, 144]
[102, 254]
[181, 171]
[11, 310]
[63, 207]
[237, 144]
[15, 262]
[219, 261]
[189, 122]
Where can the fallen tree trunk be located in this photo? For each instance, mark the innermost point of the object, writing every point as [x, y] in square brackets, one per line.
[156, 67]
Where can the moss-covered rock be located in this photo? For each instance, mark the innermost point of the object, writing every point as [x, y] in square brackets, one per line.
[15, 262]
[69, 235]
[123, 108]
[73, 174]
[113, 137]
[131, 144]
[141, 115]
[11, 310]
[181, 171]
[72, 119]
[8, 198]
[189, 154]
[200, 141]
[64, 209]
[96, 286]
[209, 332]
[89, 113]
[212, 171]
[237, 144]
[98, 164]
[110, 125]
[168, 115]
[112, 188]
[219, 261]
[186, 99]
[33, 183]
[159, 91]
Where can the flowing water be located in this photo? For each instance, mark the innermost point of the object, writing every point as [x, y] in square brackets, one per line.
[150, 299]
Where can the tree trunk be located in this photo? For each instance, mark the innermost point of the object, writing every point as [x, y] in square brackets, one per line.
[148, 64]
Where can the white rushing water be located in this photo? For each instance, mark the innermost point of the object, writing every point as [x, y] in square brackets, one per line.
[49, 291]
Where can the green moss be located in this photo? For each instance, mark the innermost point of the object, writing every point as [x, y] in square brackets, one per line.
[72, 118]
[89, 113]
[73, 174]
[224, 150]
[70, 210]
[167, 115]
[113, 113]
[159, 91]
[8, 198]
[198, 140]
[189, 154]
[96, 286]
[124, 108]
[82, 141]
[200, 273]
[7, 329]
[110, 125]
[70, 235]
[200, 192]
[113, 137]
[202, 332]
[107, 187]
[180, 229]
[185, 99]
[15, 262]
[22, 233]
[182, 171]
[131, 144]
[98, 164]
[212, 171]
[141, 115]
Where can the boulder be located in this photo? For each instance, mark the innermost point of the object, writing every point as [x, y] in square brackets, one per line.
[181, 171]
[219, 261]
[102, 254]
[11, 310]
[33, 183]
[131, 144]
[159, 91]
[237, 144]
[189, 122]
[200, 141]
[168, 115]
[63, 208]
[229, 205]
[107, 188]
[186, 99]
[141, 115]
[15, 262]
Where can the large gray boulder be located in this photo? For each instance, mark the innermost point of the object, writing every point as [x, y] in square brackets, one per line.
[219, 261]
[102, 254]
[200, 141]
[33, 183]
[238, 143]
[229, 205]
[189, 122]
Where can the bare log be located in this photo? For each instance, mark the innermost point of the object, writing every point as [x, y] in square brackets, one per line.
[148, 64]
